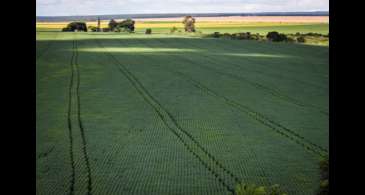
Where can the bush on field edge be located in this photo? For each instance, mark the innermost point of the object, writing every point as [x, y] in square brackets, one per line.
[301, 39]
[276, 37]
[273, 36]
[148, 31]
[75, 26]
[93, 28]
[173, 29]
[324, 183]
[239, 36]
[252, 189]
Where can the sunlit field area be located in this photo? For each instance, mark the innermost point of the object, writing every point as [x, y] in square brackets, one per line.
[121, 113]
[261, 25]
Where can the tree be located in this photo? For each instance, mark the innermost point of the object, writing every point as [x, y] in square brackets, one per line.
[148, 31]
[276, 37]
[98, 29]
[173, 29]
[112, 24]
[125, 25]
[76, 26]
[301, 39]
[93, 28]
[189, 23]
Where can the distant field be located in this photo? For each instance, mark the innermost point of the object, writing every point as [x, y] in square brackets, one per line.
[169, 114]
[207, 25]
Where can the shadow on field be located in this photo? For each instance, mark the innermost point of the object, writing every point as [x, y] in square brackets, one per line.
[187, 46]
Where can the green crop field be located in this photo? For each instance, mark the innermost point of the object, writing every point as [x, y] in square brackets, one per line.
[170, 114]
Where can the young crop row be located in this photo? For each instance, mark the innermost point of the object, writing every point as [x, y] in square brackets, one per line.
[210, 162]
[277, 127]
[293, 136]
[262, 48]
[260, 172]
[46, 48]
[272, 91]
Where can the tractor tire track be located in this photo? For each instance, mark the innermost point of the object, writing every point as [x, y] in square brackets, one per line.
[171, 123]
[282, 130]
[267, 89]
[81, 127]
[278, 75]
[69, 122]
[76, 76]
[263, 119]
[236, 179]
[45, 154]
[259, 86]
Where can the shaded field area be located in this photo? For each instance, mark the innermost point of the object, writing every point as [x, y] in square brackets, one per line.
[166, 114]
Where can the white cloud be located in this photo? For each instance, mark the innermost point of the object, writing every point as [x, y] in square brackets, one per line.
[91, 7]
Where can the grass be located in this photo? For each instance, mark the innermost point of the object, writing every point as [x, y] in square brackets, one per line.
[173, 114]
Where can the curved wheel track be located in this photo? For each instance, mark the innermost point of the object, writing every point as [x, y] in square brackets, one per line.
[74, 66]
[210, 162]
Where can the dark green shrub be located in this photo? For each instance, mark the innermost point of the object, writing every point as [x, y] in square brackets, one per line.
[116, 29]
[255, 36]
[148, 31]
[173, 29]
[314, 34]
[112, 24]
[251, 189]
[276, 37]
[75, 26]
[245, 189]
[275, 190]
[105, 29]
[247, 36]
[324, 166]
[226, 35]
[324, 187]
[93, 29]
[126, 25]
[243, 36]
[123, 26]
[66, 29]
[301, 39]
[272, 36]
[324, 184]
[290, 39]
[216, 35]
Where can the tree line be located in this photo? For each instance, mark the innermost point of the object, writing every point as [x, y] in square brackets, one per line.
[123, 26]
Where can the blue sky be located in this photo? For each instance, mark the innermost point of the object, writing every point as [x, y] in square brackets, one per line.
[94, 7]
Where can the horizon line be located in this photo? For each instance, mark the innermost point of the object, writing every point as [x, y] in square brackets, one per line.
[186, 13]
